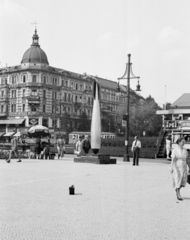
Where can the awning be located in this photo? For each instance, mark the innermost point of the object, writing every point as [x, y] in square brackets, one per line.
[9, 134]
[18, 134]
[2, 133]
[12, 121]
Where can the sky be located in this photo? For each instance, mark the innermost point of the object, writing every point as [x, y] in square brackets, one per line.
[96, 36]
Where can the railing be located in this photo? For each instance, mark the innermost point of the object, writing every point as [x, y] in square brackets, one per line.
[159, 140]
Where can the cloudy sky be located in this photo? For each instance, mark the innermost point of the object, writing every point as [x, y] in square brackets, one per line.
[95, 36]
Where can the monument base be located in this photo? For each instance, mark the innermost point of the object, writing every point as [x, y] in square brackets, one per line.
[96, 159]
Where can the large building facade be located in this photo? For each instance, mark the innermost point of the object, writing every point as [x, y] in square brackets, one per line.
[36, 93]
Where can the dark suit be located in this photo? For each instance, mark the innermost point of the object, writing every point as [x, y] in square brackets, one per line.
[136, 151]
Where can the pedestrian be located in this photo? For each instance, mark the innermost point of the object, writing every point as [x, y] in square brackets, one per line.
[60, 147]
[14, 149]
[179, 166]
[168, 147]
[136, 150]
[23, 146]
[86, 144]
[79, 149]
[38, 148]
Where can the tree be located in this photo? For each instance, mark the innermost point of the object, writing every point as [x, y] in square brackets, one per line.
[83, 123]
[107, 122]
[142, 117]
[66, 123]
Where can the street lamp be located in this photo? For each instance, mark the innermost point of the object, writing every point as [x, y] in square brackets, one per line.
[127, 75]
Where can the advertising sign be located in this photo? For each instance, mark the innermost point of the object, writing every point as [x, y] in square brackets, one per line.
[33, 121]
[124, 123]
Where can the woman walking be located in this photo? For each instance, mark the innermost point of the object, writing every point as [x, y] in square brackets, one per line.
[179, 167]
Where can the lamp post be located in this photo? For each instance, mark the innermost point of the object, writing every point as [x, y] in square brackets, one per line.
[128, 75]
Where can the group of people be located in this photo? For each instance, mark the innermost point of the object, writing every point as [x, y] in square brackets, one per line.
[41, 149]
[180, 165]
[83, 145]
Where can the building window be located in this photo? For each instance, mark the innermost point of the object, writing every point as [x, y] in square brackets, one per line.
[45, 122]
[71, 84]
[80, 87]
[44, 109]
[55, 81]
[34, 92]
[55, 95]
[2, 94]
[33, 108]
[24, 79]
[13, 79]
[66, 83]
[44, 93]
[2, 108]
[23, 92]
[54, 123]
[45, 80]
[62, 82]
[13, 94]
[76, 86]
[69, 97]
[23, 107]
[13, 108]
[34, 78]
[65, 97]
[53, 109]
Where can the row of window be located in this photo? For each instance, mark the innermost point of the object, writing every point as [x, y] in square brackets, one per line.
[54, 81]
[55, 109]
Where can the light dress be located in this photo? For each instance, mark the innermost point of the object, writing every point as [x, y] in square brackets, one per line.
[79, 147]
[179, 158]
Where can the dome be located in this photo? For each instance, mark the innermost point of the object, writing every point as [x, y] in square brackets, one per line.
[35, 54]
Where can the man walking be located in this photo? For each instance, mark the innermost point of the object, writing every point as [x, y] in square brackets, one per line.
[14, 149]
[136, 149]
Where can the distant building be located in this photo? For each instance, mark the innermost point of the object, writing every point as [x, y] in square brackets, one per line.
[178, 112]
[35, 93]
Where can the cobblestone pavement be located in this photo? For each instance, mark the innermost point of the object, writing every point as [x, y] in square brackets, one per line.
[112, 202]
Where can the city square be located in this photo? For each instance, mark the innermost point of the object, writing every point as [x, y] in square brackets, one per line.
[94, 120]
[111, 201]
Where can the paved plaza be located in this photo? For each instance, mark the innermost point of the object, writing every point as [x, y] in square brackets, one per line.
[112, 202]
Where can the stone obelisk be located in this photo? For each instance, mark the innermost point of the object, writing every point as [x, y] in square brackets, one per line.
[96, 119]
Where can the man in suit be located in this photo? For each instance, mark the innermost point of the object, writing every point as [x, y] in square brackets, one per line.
[136, 149]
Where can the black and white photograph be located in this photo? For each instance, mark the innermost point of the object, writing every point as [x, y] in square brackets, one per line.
[94, 119]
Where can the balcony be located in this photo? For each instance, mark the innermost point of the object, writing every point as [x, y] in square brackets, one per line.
[4, 99]
[32, 99]
[3, 114]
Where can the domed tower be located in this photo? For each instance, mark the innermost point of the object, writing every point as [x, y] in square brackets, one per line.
[35, 54]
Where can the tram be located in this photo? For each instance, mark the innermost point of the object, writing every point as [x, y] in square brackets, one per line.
[74, 136]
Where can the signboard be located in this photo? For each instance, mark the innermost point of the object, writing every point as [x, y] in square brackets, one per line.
[124, 123]
[184, 124]
[169, 124]
[33, 121]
